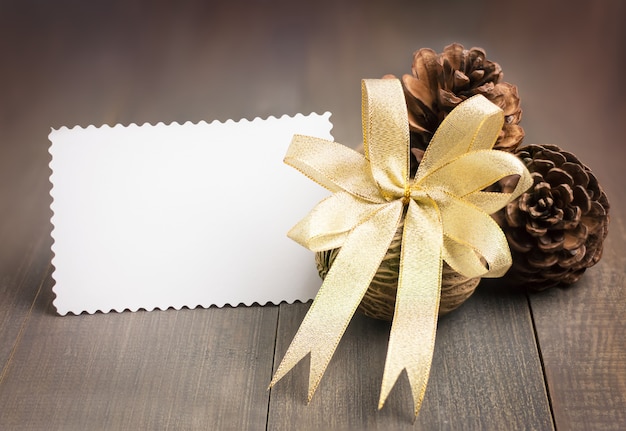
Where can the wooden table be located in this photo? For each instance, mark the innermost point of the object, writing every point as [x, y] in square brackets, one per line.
[503, 361]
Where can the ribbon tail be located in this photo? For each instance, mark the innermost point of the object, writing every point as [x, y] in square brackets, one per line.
[412, 338]
[340, 294]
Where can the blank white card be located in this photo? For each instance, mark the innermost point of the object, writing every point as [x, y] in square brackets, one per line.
[160, 216]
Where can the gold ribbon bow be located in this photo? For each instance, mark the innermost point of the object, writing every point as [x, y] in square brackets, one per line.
[446, 219]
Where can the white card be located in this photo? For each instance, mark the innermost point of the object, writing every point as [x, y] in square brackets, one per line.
[176, 215]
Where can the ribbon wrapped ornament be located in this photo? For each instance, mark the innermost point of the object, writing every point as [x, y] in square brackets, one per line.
[446, 214]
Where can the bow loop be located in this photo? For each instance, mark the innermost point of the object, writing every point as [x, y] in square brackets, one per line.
[480, 169]
[386, 135]
[331, 221]
[350, 171]
[481, 122]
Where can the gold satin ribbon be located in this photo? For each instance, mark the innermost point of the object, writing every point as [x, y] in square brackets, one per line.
[446, 219]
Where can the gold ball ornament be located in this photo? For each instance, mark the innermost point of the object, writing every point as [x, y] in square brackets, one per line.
[380, 299]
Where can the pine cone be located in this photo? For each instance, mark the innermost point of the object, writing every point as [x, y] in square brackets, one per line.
[556, 229]
[441, 81]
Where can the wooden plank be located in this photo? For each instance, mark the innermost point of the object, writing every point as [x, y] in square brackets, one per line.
[486, 374]
[581, 329]
[582, 334]
[21, 274]
[182, 370]
[21, 284]
[114, 62]
[24, 234]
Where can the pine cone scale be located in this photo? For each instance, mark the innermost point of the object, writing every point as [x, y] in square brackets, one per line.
[573, 257]
[559, 176]
[448, 99]
[454, 56]
[563, 195]
[520, 242]
[477, 75]
[425, 67]
[579, 176]
[575, 238]
[461, 80]
[582, 199]
[549, 243]
[419, 92]
[541, 166]
[543, 260]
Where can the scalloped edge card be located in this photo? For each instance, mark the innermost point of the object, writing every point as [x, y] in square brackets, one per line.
[160, 216]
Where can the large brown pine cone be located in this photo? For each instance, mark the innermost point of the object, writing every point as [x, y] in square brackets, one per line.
[556, 229]
[440, 82]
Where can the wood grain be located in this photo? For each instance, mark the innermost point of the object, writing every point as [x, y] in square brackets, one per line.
[486, 374]
[582, 335]
[179, 370]
[580, 330]
[24, 235]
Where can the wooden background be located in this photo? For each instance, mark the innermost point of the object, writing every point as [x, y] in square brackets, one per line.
[504, 360]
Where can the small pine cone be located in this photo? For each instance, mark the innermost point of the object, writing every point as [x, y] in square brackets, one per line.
[441, 81]
[556, 229]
